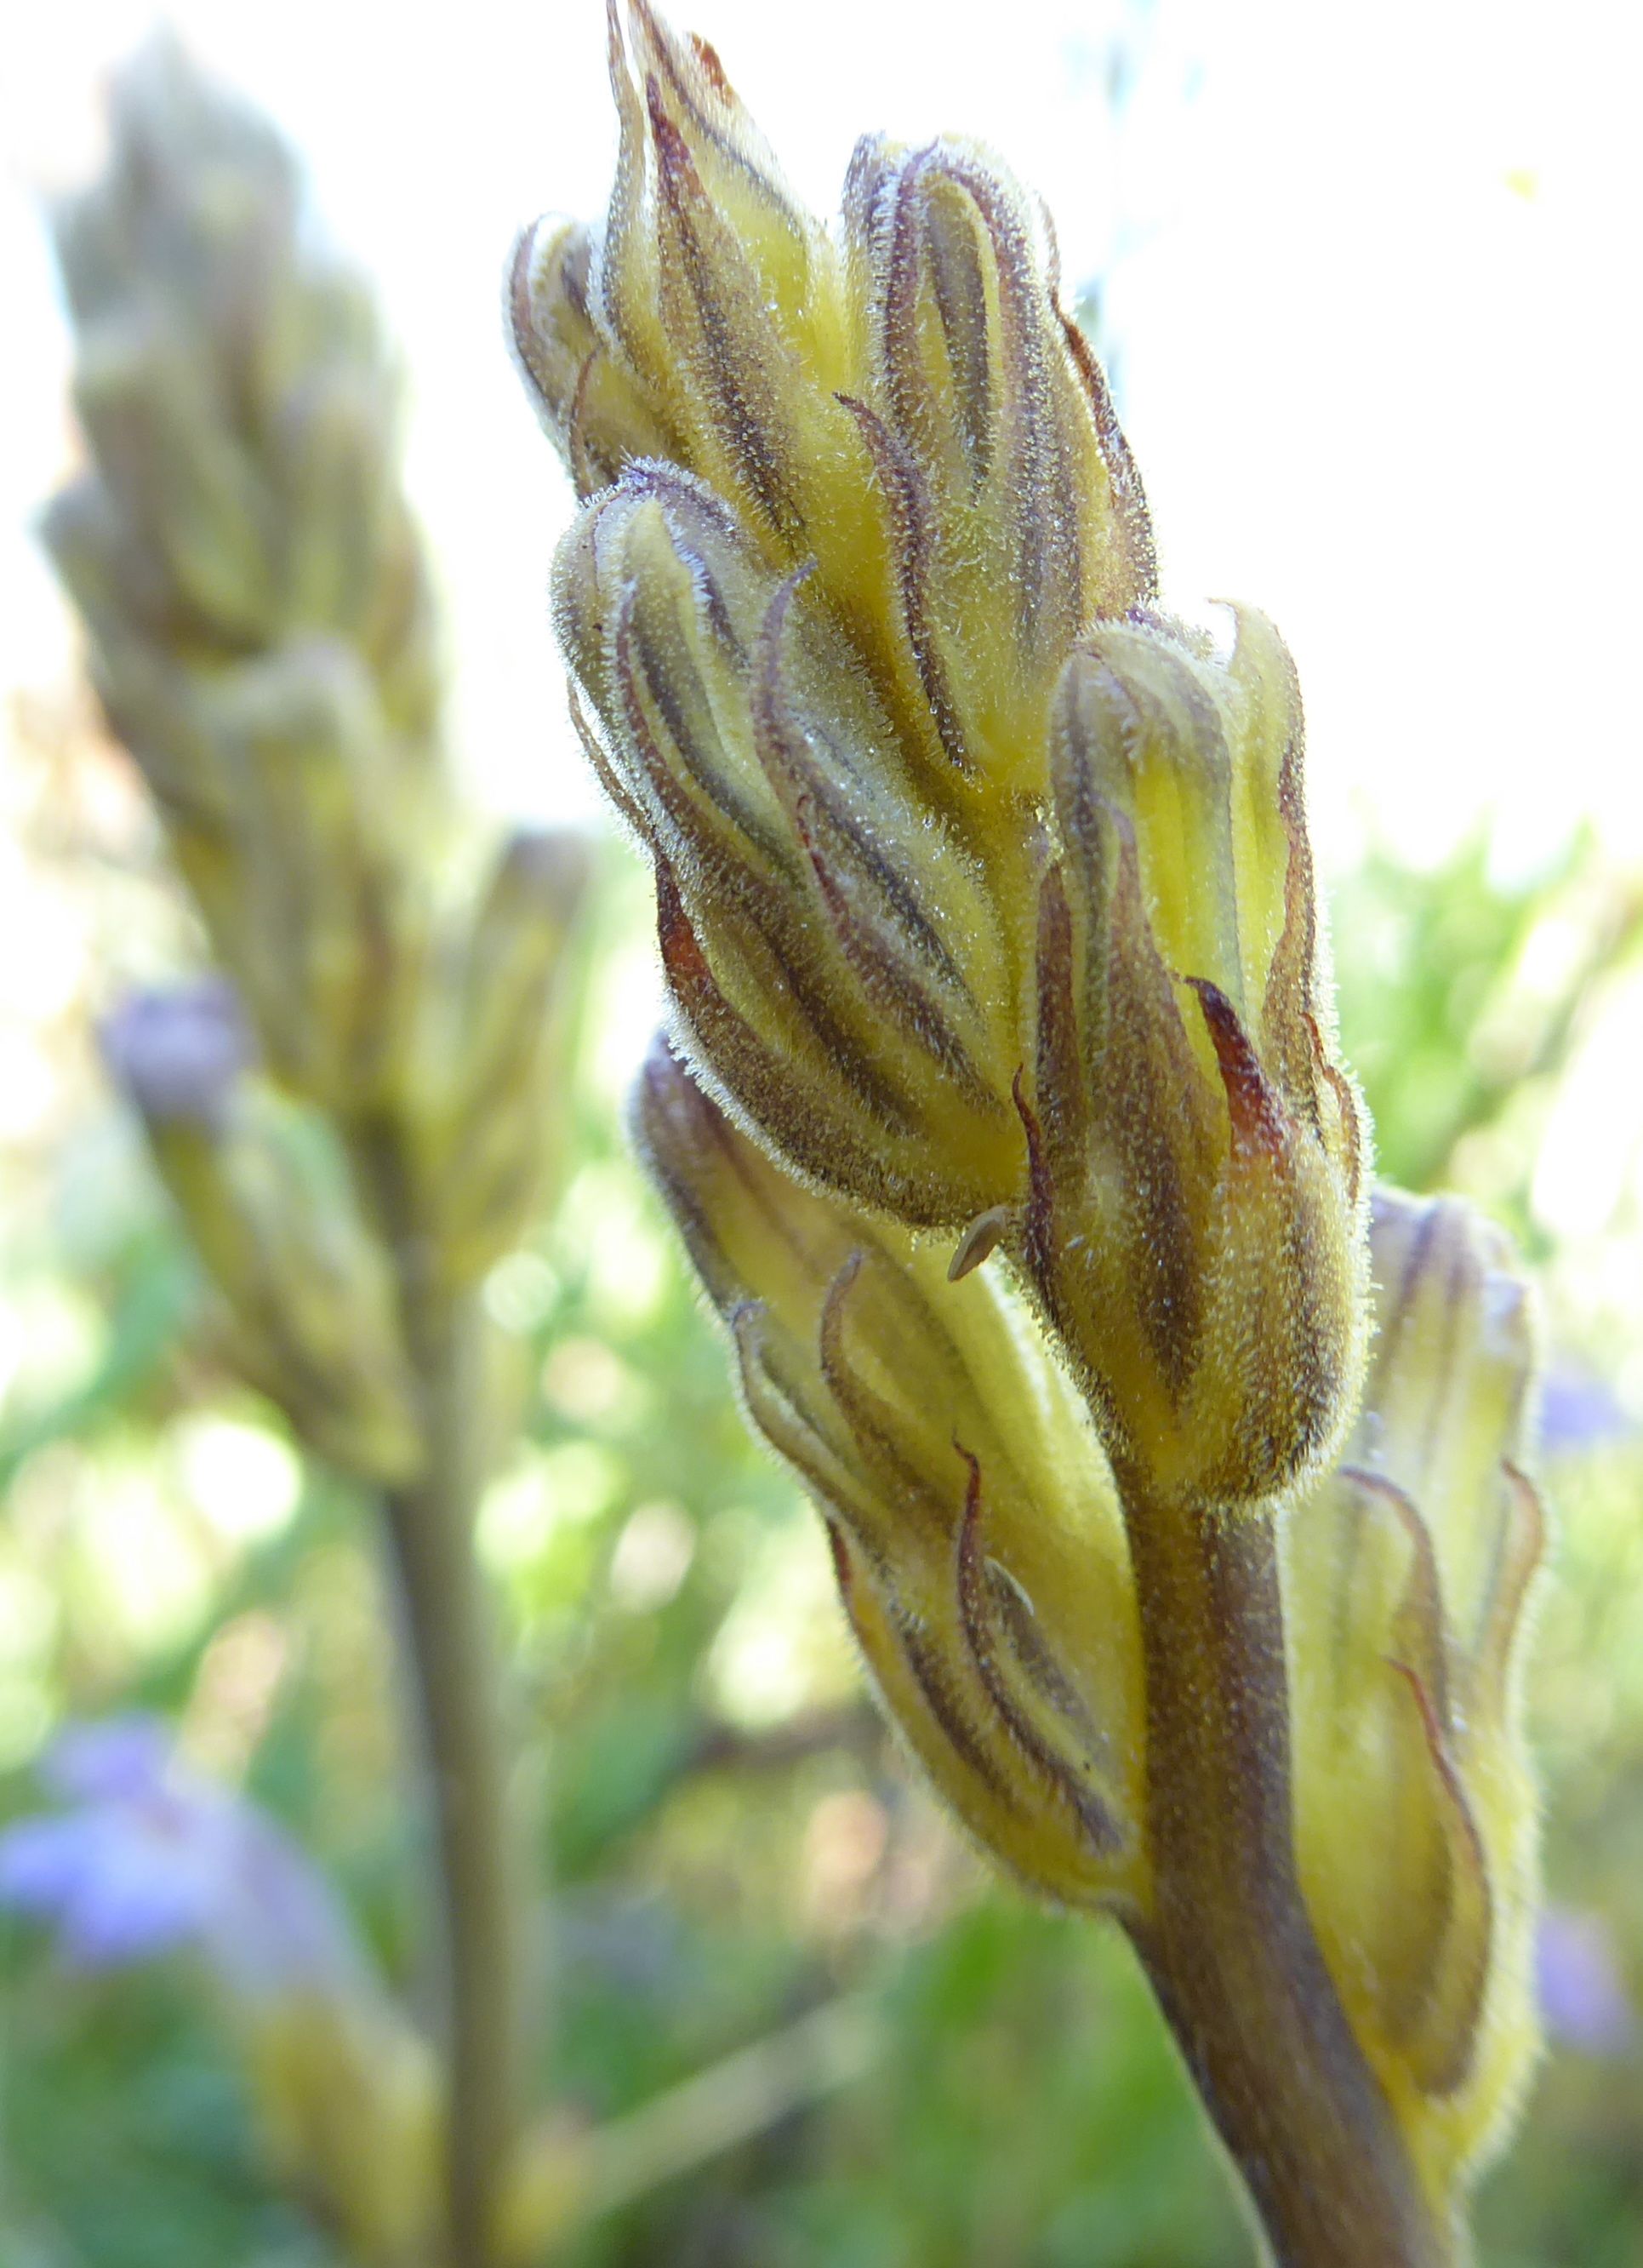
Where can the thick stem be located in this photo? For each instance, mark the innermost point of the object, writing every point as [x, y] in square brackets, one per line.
[1228, 1943]
[456, 1690]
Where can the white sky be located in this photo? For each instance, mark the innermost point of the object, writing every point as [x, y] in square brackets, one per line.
[1372, 272]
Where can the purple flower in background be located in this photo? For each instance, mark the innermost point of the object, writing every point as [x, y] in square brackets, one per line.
[146, 1858]
[1583, 1997]
[178, 1051]
[1578, 1411]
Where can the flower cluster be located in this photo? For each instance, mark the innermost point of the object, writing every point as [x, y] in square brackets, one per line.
[989, 921]
[984, 886]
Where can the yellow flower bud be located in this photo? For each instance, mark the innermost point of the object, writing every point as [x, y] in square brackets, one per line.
[1408, 1574]
[704, 320]
[832, 956]
[1016, 514]
[594, 409]
[974, 1526]
[910, 409]
[1195, 1225]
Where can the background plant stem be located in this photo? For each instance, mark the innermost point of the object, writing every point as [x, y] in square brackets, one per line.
[450, 1658]
[1229, 1944]
[728, 2102]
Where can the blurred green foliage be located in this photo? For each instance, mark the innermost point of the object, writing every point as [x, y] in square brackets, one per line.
[729, 1837]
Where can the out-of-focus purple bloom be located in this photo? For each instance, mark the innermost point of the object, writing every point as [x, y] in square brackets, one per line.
[101, 1764]
[1579, 1411]
[1583, 1997]
[177, 1051]
[146, 1857]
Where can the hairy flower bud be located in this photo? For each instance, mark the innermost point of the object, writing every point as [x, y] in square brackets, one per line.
[1408, 1574]
[704, 317]
[1195, 1224]
[595, 410]
[313, 1321]
[909, 409]
[832, 957]
[974, 1526]
[1017, 512]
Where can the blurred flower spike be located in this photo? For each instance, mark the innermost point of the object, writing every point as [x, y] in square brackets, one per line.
[263, 640]
[367, 1114]
[261, 626]
[147, 1859]
[366, 1106]
[984, 887]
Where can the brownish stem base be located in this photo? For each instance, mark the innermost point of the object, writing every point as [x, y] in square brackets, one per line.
[1229, 1946]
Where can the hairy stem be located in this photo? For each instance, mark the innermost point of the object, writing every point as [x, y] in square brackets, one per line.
[1229, 1944]
[456, 1689]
